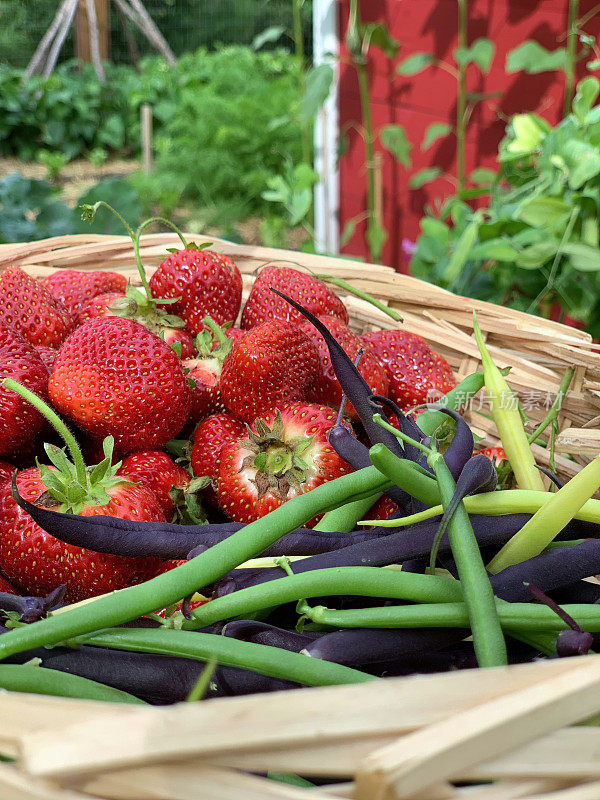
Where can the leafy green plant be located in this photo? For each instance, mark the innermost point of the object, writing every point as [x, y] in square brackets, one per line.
[30, 209]
[53, 161]
[217, 146]
[536, 243]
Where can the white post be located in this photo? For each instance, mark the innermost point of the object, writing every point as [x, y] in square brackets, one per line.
[327, 192]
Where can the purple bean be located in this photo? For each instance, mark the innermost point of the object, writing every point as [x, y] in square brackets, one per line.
[551, 570]
[407, 543]
[353, 384]
[166, 540]
[31, 609]
[233, 681]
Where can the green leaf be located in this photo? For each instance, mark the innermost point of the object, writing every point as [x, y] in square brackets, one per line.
[482, 176]
[461, 250]
[393, 138]
[318, 84]
[544, 212]
[536, 255]
[531, 57]
[376, 238]
[582, 257]
[415, 64]
[587, 94]
[434, 132]
[583, 160]
[376, 34]
[495, 250]
[348, 232]
[593, 65]
[424, 176]
[481, 52]
[268, 35]
[526, 133]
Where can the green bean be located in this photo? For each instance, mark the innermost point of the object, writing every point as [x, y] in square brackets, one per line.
[508, 501]
[356, 581]
[507, 417]
[513, 616]
[488, 639]
[272, 661]
[37, 680]
[548, 521]
[345, 518]
[406, 474]
[429, 421]
[135, 601]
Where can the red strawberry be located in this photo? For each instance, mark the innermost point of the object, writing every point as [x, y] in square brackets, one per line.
[493, 453]
[6, 472]
[48, 356]
[416, 372]
[75, 288]
[7, 587]
[28, 307]
[99, 306]
[327, 389]
[285, 455]
[157, 472]
[208, 439]
[274, 363]
[39, 563]
[204, 370]
[382, 509]
[310, 292]
[237, 334]
[205, 282]
[115, 377]
[19, 422]
[116, 304]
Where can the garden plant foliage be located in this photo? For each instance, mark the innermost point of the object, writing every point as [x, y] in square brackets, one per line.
[224, 122]
[535, 240]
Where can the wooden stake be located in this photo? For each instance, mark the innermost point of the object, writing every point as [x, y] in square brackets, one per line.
[95, 40]
[46, 41]
[146, 125]
[60, 38]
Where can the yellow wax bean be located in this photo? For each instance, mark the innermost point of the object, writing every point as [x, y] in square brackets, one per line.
[548, 522]
[510, 501]
[505, 413]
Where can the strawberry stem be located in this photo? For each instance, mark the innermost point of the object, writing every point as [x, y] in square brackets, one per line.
[391, 312]
[56, 421]
[136, 247]
[89, 212]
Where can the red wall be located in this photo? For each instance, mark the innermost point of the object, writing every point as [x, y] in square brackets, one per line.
[416, 102]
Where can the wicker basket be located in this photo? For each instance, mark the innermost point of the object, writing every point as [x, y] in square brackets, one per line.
[503, 731]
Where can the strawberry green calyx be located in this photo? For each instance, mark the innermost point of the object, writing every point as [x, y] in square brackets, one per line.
[210, 336]
[188, 503]
[65, 493]
[279, 463]
[71, 485]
